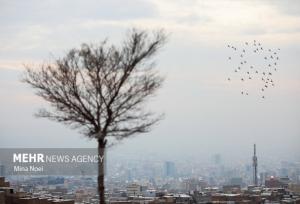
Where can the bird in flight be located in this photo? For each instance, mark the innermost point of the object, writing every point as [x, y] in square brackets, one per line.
[264, 59]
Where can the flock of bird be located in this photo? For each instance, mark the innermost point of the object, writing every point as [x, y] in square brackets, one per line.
[254, 63]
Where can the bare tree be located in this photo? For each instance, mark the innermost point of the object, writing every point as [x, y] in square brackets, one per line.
[102, 89]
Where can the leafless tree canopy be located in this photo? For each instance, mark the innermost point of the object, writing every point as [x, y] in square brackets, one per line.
[102, 89]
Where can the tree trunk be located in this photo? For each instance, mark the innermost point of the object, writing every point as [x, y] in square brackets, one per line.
[101, 152]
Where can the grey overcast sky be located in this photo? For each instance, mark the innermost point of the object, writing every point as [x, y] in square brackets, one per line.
[204, 114]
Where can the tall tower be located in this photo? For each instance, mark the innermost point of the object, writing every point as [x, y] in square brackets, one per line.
[254, 167]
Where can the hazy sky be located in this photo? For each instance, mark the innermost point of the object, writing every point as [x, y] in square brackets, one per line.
[204, 114]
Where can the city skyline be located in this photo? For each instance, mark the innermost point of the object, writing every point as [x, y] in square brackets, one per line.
[203, 114]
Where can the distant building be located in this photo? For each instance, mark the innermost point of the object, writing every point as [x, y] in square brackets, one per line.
[133, 190]
[193, 184]
[129, 175]
[2, 170]
[9, 196]
[149, 193]
[285, 181]
[262, 178]
[295, 188]
[173, 198]
[283, 172]
[237, 181]
[217, 159]
[273, 182]
[235, 198]
[232, 189]
[170, 169]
